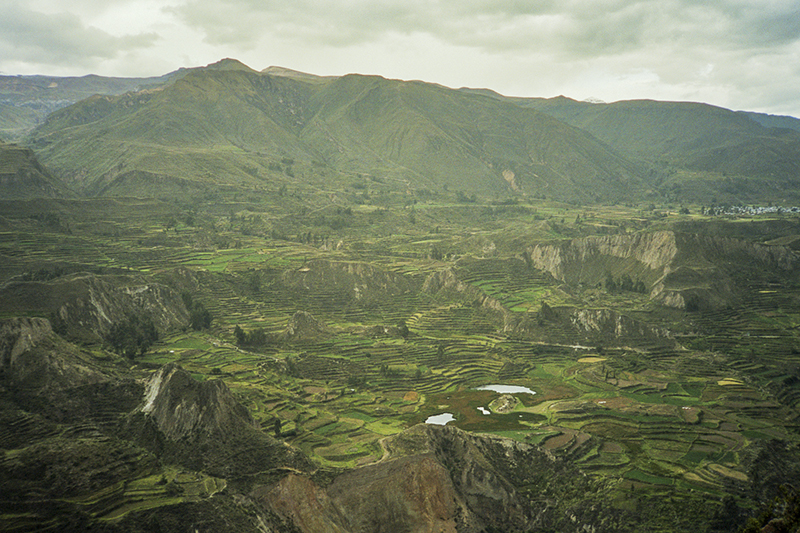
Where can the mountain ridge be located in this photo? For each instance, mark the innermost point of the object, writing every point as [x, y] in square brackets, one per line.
[424, 135]
[227, 125]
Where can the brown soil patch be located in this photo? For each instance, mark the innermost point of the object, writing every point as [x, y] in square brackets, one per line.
[411, 396]
[592, 359]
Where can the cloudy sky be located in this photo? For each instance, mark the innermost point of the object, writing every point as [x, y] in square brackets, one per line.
[739, 54]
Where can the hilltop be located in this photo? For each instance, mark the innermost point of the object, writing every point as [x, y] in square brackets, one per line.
[694, 148]
[23, 176]
[227, 128]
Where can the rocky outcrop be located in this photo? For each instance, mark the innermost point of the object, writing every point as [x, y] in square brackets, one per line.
[345, 282]
[203, 426]
[303, 326]
[185, 409]
[446, 283]
[609, 323]
[439, 479]
[588, 259]
[588, 326]
[687, 271]
[86, 306]
[33, 358]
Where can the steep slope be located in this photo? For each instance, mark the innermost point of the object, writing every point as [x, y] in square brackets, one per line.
[33, 358]
[26, 101]
[240, 128]
[87, 306]
[442, 479]
[774, 121]
[214, 126]
[22, 176]
[203, 426]
[435, 137]
[685, 135]
[681, 270]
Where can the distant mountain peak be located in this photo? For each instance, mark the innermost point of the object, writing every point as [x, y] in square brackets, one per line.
[229, 64]
[294, 74]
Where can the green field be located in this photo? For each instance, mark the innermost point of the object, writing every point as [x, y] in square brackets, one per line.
[678, 411]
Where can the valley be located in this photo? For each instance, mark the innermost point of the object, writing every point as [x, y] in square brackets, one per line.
[240, 315]
[364, 335]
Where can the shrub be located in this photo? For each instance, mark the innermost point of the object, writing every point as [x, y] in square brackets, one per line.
[133, 336]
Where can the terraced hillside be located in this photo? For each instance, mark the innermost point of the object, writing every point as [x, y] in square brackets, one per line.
[334, 337]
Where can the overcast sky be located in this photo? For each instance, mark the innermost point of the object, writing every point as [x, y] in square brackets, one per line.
[739, 54]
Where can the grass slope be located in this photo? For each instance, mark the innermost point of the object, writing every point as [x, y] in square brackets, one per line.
[695, 137]
[236, 127]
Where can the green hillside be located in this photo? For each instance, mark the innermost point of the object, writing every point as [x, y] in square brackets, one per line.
[228, 129]
[26, 101]
[236, 127]
[22, 176]
[710, 151]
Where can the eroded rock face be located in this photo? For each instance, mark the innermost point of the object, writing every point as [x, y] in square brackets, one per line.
[654, 251]
[20, 335]
[86, 305]
[411, 494]
[681, 270]
[302, 325]
[185, 409]
[346, 281]
[203, 426]
[33, 358]
[446, 282]
[436, 479]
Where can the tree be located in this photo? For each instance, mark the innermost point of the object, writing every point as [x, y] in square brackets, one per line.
[132, 336]
[239, 335]
[199, 316]
[402, 328]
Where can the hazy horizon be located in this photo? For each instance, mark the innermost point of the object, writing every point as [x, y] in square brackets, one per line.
[733, 54]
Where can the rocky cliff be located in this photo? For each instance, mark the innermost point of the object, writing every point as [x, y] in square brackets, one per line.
[87, 305]
[446, 283]
[689, 271]
[185, 409]
[442, 479]
[34, 359]
[343, 282]
[204, 426]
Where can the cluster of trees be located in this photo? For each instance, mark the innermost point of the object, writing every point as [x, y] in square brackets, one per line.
[254, 338]
[132, 336]
[624, 283]
[199, 316]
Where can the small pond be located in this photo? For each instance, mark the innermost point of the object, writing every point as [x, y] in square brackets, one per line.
[507, 389]
[440, 420]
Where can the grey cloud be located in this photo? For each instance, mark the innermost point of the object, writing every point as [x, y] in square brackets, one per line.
[568, 27]
[53, 39]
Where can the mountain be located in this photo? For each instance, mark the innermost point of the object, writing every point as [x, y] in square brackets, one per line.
[774, 121]
[22, 176]
[693, 145]
[25, 101]
[225, 128]
[239, 128]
